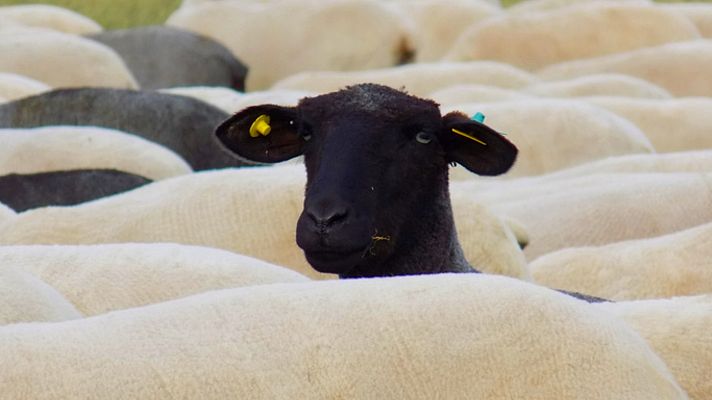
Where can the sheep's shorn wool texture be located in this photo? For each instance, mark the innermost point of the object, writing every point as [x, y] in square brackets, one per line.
[699, 13]
[599, 85]
[474, 93]
[25, 298]
[680, 68]
[102, 278]
[539, 127]
[342, 35]
[425, 337]
[438, 26]
[13, 86]
[57, 148]
[676, 264]
[671, 125]
[418, 79]
[678, 330]
[611, 207]
[63, 60]
[52, 17]
[189, 210]
[559, 34]
[230, 100]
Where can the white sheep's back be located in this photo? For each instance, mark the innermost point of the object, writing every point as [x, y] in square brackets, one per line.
[678, 124]
[63, 60]
[102, 278]
[334, 31]
[59, 148]
[617, 85]
[699, 13]
[539, 39]
[52, 17]
[605, 208]
[681, 68]
[418, 337]
[26, 298]
[678, 330]
[555, 134]
[14, 86]
[417, 79]
[676, 264]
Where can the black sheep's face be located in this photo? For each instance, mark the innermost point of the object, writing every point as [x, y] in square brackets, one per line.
[376, 159]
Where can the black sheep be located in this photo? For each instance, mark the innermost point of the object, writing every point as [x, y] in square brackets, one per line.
[377, 201]
[22, 192]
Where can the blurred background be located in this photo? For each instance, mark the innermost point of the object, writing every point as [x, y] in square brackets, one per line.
[114, 14]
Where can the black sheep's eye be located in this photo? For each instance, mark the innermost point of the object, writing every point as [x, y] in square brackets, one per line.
[423, 137]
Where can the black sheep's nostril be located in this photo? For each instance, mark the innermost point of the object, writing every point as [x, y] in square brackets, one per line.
[325, 217]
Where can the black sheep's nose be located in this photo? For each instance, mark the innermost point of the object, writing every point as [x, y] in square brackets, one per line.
[325, 217]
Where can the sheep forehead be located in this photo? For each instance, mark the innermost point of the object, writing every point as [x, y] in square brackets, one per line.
[378, 100]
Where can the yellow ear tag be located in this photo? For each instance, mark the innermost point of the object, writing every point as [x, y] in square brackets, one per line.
[469, 137]
[260, 126]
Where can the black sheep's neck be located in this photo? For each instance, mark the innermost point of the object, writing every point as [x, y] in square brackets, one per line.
[428, 244]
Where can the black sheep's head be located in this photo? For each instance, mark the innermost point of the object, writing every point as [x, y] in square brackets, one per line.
[376, 160]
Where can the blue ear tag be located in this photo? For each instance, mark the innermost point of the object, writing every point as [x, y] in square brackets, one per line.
[478, 117]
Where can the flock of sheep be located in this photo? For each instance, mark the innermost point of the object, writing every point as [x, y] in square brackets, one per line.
[183, 279]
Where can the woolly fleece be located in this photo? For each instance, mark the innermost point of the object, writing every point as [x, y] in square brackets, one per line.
[102, 278]
[543, 38]
[63, 60]
[677, 264]
[681, 68]
[25, 298]
[58, 148]
[421, 337]
[678, 330]
[417, 79]
[300, 36]
[52, 17]
[671, 125]
[13, 86]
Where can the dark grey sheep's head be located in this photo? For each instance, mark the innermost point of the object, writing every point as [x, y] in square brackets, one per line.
[377, 170]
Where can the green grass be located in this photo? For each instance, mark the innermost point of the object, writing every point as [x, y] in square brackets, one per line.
[116, 14]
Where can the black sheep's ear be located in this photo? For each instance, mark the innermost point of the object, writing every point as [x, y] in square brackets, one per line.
[476, 146]
[262, 134]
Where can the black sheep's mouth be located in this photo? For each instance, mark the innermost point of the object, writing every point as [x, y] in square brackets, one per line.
[335, 262]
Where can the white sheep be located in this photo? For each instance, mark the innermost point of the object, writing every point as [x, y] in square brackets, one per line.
[251, 211]
[418, 337]
[539, 39]
[14, 86]
[25, 298]
[52, 17]
[671, 125]
[62, 60]
[102, 278]
[281, 38]
[554, 134]
[699, 13]
[678, 330]
[684, 161]
[530, 6]
[58, 148]
[676, 264]
[599, 85]
[231, 101]
[603, 208]
[473, 93]
[438, 25]
[680, 68]
[418, 79]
